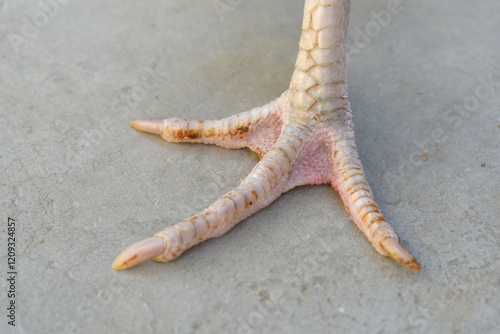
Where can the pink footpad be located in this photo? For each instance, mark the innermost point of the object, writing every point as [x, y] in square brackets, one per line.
[305, 136]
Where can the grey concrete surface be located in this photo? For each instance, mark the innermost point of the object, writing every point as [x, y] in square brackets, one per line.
[82, 185]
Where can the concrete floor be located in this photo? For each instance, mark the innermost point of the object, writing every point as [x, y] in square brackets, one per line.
[82, 185]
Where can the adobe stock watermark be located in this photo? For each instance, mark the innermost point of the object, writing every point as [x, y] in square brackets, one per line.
[89, 138]
[486, 88]
[373, 28]
[222, 7]
[148, 79]
[309, 269]
[31, 27]
[87, 312]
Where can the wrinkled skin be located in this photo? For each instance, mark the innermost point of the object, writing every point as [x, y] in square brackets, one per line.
[304, 137]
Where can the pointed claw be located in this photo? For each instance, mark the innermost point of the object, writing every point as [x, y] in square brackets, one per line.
[147, 125]
[139, 252]
[400, 254]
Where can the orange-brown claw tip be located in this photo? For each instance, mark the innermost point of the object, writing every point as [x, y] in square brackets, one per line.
[148, 125]
[139, 252]
[400, 254]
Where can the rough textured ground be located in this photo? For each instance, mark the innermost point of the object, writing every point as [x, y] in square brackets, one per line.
[82, 184]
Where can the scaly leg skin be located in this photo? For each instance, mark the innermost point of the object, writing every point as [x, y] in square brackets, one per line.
[304, 137]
